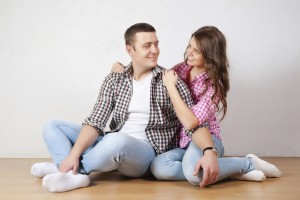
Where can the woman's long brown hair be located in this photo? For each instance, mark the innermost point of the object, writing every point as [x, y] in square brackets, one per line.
[212, 44]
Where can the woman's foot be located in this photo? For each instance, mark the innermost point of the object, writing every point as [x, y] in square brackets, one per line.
[254, 175]
[268, 169]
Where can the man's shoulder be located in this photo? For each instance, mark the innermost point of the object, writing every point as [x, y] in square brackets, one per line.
[113, 79]
[160, 67]
[158, 70]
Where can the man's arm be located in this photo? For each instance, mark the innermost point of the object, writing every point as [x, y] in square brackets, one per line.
[88, 135]
[104, 105]
[94, 124]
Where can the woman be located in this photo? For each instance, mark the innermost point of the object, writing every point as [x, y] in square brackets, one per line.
[199, 156]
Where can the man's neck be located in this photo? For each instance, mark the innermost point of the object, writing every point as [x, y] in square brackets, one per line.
[139, 73]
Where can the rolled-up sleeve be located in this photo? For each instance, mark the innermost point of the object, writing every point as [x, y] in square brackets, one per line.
[104, 105]
[205, 107]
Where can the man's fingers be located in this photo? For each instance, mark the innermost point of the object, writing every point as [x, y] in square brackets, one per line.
[75, 169]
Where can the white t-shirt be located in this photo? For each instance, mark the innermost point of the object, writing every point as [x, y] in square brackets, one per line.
[139, 109]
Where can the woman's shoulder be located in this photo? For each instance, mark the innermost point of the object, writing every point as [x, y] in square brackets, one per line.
[181, 65]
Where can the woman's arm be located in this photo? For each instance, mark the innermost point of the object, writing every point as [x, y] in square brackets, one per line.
[201, 137]
[209, 162]
[184, 113]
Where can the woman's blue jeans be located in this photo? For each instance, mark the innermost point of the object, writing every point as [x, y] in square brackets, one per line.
[179, 164]
[114, 151]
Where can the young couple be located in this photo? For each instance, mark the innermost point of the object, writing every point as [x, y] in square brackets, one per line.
[163, 120]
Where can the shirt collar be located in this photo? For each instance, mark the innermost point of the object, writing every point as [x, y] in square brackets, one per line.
[201, 77]
[128, 71]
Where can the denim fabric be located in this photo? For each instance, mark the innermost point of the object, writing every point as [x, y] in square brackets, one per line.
[114, 151]
[179, 164]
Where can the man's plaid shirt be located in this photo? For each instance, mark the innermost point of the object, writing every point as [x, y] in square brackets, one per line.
[115, 95]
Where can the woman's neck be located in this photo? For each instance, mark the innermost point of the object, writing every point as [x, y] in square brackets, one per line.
[195, 71]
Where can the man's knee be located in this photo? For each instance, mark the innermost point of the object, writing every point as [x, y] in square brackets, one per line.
[49, 128]
[117, 141]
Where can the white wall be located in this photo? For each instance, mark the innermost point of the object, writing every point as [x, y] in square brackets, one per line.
[55, 54]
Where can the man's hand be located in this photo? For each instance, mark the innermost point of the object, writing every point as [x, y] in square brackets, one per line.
[70, 163]
[210, 166]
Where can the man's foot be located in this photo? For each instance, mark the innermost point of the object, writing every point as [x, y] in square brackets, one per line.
[62, 182]
[268, 169]
[254, 175]
[42, 169]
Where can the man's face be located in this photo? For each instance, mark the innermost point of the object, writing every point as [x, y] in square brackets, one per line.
[145, 51]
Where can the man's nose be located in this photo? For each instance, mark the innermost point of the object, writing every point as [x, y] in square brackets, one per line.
[154, 49]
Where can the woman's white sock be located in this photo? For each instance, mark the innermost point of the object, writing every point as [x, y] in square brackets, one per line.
[42, 169]
[254, 175]
[268, 169]
[62, 182]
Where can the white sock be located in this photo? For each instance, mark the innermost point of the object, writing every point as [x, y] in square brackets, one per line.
[62, 182]
[254, 175]
[268, 169]
[42, 169]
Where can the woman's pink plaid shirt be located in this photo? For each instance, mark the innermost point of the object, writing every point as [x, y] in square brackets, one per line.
[204, 109]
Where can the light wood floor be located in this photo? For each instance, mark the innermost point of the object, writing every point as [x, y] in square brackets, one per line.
[17, 183]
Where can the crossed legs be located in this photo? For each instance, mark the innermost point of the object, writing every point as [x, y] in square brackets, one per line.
[115, 151]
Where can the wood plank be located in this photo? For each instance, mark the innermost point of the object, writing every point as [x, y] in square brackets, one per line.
[17, 183]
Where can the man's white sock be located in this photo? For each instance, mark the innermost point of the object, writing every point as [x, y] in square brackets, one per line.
[254, 175]
[62, 182]
[268, 169]
[42, 169]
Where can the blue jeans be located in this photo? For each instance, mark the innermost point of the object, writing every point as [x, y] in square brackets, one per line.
[114, 151]
[179, 164]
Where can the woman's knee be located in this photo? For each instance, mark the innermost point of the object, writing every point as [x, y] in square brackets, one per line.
[188, 171]
[219, 146]
[188, 166]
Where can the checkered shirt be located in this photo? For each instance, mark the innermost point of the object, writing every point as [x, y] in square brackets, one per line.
[204, 109]
[115, 95]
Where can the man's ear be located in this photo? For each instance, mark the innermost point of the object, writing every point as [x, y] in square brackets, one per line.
[129, 50]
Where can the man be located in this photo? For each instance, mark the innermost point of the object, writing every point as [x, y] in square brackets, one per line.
[143, 125]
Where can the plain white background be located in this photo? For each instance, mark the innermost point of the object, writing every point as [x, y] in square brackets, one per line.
[54, 56]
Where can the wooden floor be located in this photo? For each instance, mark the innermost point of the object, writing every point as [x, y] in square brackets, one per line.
[16, 183]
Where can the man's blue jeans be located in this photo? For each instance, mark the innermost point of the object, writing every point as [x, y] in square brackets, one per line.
[114, 151]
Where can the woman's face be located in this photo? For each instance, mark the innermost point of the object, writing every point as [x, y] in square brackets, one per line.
[194, 55]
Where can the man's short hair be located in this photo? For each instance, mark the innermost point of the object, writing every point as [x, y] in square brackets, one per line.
[136, 28]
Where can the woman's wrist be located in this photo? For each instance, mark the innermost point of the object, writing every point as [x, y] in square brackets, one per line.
[171, 87]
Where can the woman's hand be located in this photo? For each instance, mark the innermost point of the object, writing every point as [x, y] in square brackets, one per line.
[170, 78]
[70, 163]
[117, 67]
[210, 166]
